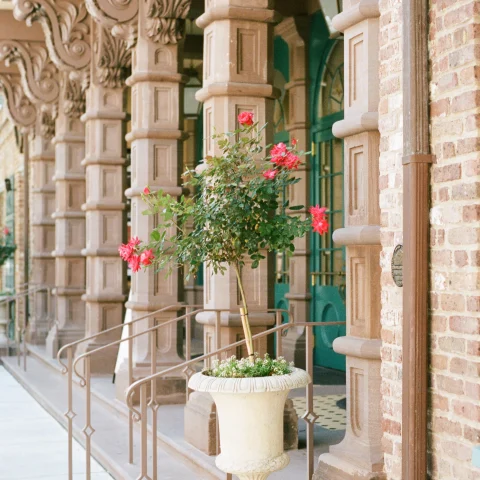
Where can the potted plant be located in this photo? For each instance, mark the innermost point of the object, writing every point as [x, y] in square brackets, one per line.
[236, 211]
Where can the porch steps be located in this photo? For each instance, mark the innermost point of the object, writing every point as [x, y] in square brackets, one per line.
[44, 381]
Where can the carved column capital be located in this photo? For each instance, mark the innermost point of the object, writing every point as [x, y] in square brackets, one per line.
[118, 15]
[22, 112]
[111, 58]
[165, 20]
[66, 28]
[38, 73]
[72, 102]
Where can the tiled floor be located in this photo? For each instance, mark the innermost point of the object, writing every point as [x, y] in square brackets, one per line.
[33, 446]
[330, 416]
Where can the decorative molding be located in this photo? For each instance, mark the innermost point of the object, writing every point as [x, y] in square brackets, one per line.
[73, 97]
[66, 28]
[22, 112]
[47, 124]
[112, 59]
[38, 73]
[203, 383]
[118, 15]
[165, 22]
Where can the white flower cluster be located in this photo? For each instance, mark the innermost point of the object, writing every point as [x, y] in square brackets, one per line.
[260, 367]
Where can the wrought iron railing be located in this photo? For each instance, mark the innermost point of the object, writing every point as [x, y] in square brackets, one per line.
[186, 368]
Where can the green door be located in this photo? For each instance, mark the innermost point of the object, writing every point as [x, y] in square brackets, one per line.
[328, 260]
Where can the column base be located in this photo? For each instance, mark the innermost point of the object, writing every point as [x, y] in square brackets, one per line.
[333, 467]
[59, 337]
[38, 331]
[200, 424]
[103, 362]
[170, 391]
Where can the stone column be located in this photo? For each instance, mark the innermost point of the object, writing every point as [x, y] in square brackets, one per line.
[69, 218]
[105, 203]
[42, 158]
[244, 83]
[237, 76]
[360, 454]
[157, 161]
[294, 31]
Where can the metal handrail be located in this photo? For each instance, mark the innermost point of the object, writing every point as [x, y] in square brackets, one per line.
[117, 327]
[85, 379]
[21, 330]
[141, 416]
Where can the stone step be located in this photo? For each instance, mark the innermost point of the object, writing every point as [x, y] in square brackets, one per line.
[43, 380]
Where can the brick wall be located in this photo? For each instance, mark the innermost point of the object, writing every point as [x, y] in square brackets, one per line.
[390, 126]
[454, 421]
[455, 237]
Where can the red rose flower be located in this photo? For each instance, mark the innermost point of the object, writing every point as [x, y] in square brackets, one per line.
[245, 118]
[278, 154]
[294, 141]
[291, 161]
[146, 257]
[320, 225]
[270, 174]
[318, 211]
[134, 263]
[134, 241]
[146, 191]
[126, 251]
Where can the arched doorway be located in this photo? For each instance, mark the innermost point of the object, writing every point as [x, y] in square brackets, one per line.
[327, 266]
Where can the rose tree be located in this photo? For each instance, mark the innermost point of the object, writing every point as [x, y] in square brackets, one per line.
[235, 211]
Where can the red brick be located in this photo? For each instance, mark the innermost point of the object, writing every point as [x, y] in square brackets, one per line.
[468, 325]
[452, 302]
[449, 385]
[461, 258]
[447, 173]
[392, 427]
[466, 101]
[451, 344]
[473, 304]
[442, 424]
[468, 410]
[471, 213]
[464, 236]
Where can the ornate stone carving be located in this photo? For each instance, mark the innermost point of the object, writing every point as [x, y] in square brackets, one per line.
[112, 59]
[47, 124]
[22, 112]
[66, 28]
[38, 73]
[119, 15]
[73, 98]
[165, 22]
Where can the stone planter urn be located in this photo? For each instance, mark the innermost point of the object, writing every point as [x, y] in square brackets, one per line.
[250, 415]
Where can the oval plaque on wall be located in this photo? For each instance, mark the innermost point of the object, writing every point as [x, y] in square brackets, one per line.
[397, 266]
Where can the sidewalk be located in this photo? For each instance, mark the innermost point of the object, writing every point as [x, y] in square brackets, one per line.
[33, 446]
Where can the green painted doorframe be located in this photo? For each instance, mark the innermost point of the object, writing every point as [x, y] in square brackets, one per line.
[327, 262]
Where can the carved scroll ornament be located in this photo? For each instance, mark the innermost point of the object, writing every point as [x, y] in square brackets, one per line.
[165, 22]
[112, 59]
[73, 97]
[66, 28]
[22, 112]
[38, 73]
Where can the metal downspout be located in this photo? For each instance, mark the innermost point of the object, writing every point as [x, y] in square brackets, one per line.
[416, 166]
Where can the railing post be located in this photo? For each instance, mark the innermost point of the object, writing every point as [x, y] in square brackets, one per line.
[130, 381]
[278, 334]
[70, 413]
[153, 399]
[310, 413]
[88, 430]
[143, 433]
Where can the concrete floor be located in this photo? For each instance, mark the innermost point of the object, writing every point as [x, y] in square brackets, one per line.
[33, 446]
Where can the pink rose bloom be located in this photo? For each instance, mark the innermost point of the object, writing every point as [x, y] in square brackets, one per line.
[146, 257]
[134, 263]
[279, 153]
[245, 118]
[6, 231]
[270, 174]
[320, 225]
[291, 161]
[146, 191]
[126, 251]
[294, 141]
[134, 241]
[318, 212]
